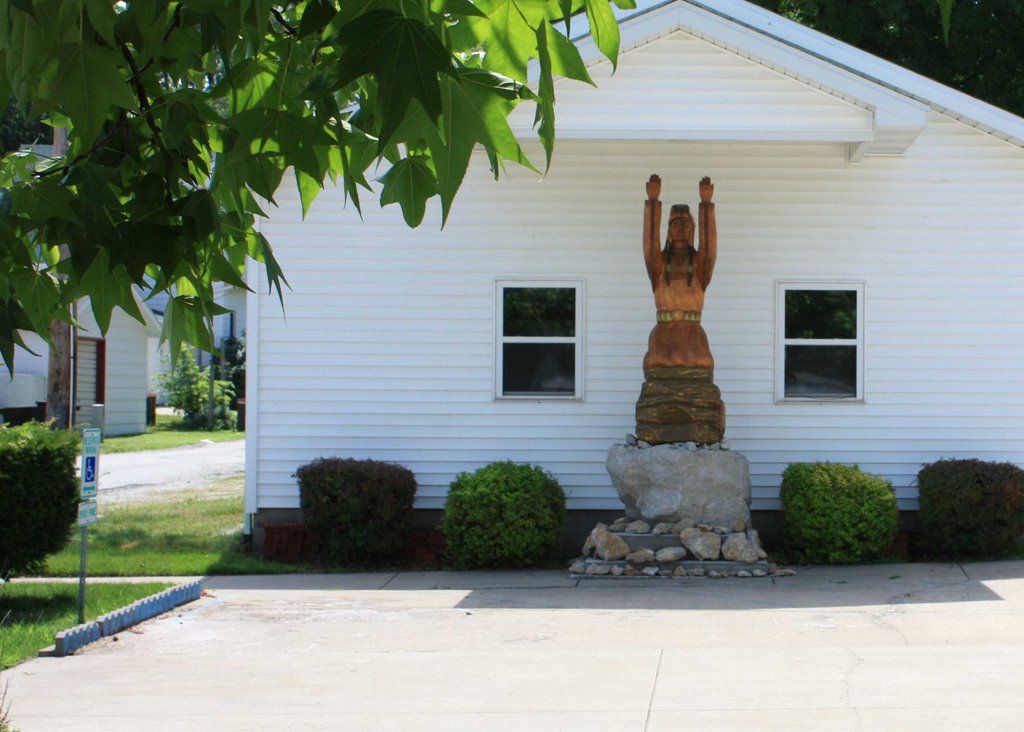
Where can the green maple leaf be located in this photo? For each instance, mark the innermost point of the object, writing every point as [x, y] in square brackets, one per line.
[508, 33]
[186, 321]
[557, 55]
[405, 57]
[946, 10]
[108, 288]
[545, 114]
[280, 133]
[604, 29]
[476, 104]
[39, 297]
[409, 183]
[103, 19]
[85, 81]
[352, 156]
[260, 250]
[12, 320]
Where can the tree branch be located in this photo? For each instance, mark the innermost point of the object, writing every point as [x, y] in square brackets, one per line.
[119, 125]
[147, 110]
[175, 22]
[289, 28]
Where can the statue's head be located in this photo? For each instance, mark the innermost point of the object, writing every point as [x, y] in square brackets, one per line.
[680, 227]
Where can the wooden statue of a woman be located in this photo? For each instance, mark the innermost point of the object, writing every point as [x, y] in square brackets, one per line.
[679, 401]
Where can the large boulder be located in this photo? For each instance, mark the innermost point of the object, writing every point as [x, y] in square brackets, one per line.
[673, 483]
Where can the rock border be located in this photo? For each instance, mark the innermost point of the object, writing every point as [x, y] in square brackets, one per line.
[635, 548]
[590, 568]
[69, 641]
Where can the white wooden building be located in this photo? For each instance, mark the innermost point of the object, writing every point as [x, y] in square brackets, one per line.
[840, 178]
[110, 369]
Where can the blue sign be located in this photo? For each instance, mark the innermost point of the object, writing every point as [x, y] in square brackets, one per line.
[90, 462]
[89, 471]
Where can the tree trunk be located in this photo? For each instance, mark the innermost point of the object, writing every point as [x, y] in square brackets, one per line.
[58, 383]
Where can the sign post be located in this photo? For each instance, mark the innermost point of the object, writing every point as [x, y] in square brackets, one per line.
[91, 439]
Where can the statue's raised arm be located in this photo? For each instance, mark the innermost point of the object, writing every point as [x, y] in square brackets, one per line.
[708, 230]
[652, 227]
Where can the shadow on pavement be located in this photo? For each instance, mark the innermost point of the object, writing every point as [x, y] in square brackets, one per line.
[812, 587]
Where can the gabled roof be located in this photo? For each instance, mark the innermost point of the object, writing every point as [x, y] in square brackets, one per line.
[898, 99]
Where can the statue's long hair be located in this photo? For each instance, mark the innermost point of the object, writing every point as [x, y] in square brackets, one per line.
[680, 210]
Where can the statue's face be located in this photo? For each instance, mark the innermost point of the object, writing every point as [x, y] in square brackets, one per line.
[679, 232]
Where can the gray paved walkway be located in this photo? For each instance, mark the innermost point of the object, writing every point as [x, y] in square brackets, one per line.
[131, 476]
[889, 647]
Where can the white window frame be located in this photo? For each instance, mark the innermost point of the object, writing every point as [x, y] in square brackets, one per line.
[501, 339]
[781, 288]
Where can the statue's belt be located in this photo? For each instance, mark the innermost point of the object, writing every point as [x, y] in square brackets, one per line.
[675, 316]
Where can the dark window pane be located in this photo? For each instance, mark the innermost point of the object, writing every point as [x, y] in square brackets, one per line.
[539, 368]
[821, 371]
[540, 311]
[821, 314]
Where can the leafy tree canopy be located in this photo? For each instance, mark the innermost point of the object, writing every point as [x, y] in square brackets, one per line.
[983, 55]
[16, 131]
[183, 115]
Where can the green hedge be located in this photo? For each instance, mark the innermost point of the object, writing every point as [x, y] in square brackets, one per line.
[503, 515]
[837, 514]
[360, 510]
[970, 508]
[38, 494]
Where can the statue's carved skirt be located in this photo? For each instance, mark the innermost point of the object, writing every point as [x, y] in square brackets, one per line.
[679, 404]
[678, 344]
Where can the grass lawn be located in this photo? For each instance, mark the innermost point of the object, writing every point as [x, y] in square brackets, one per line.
[192, 535]
[33, 613]
[169, 431]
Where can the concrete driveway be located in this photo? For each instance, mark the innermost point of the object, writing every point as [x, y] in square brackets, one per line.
[889, 647]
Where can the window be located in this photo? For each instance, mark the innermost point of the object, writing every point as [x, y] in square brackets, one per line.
[539, 351]
[820, 340]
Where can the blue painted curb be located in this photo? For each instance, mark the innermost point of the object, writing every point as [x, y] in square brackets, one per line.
[68, 641]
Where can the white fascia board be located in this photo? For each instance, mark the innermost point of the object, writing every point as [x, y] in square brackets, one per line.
[786, 58]
[939, 97]
[597, 132]
[654, 21]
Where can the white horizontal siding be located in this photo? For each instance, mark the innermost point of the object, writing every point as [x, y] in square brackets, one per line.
[385, 348]
[127, 376]
[684, 88]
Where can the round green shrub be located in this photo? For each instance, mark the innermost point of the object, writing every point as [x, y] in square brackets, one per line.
[503, 515]
[837, 514]
[359, 510]
[38, 494]
[970, 508]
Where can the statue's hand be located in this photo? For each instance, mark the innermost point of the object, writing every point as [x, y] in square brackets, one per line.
[707, 189]
[653, 187]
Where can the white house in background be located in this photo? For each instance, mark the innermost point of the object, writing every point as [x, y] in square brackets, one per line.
[867, 305]
[227, 326]
[112, 370]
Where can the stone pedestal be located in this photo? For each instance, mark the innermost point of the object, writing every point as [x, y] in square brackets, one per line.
[679, 404]
[687, 515]
[680, 483]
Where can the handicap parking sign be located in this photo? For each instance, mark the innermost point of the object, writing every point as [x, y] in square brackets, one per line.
[90, 462]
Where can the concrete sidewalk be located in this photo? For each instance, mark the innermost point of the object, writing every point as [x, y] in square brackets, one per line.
[885, 647]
